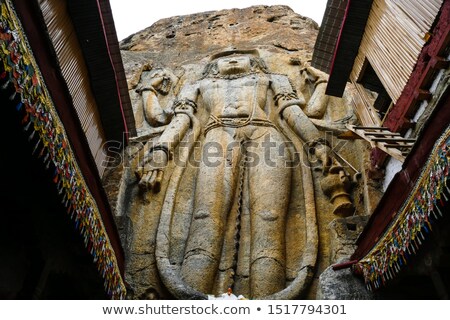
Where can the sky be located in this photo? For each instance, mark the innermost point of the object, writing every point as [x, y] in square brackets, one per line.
[131, 16]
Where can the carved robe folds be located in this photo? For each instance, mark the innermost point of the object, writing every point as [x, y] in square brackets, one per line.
[238, 206]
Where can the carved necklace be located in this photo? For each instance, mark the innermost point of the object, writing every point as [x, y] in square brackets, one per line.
[232, 76]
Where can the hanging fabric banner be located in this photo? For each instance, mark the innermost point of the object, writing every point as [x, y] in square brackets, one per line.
[414, 221]
[41, 119]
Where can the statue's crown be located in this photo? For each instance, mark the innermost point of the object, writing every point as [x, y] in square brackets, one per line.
[232, 51]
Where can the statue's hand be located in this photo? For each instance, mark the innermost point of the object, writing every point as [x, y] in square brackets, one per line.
[161, 83]
[151, 171]
[323, 153]
[156, 81]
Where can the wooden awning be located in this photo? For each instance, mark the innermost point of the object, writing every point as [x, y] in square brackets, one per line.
[328, 35]
[345, 47]
[29, 66]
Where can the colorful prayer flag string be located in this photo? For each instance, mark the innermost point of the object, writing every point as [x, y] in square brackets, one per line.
[21, 71]
[412, 224]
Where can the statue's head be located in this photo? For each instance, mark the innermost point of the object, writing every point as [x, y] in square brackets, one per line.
[235, 62]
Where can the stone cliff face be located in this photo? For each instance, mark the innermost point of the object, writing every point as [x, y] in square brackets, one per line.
[171, 55]
[177, 40]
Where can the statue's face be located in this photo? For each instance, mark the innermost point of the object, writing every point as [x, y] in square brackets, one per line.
[233, 64]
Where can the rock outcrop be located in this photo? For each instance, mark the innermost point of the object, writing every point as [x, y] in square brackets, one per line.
[180, 39]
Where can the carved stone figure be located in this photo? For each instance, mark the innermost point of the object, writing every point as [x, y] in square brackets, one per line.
[314, 82]
[238, 225]
[159, 212]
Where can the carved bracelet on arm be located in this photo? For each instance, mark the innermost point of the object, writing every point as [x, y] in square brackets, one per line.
[318, 142]
[286, 99]
[182, 106]
[164, 146]
[141, 89]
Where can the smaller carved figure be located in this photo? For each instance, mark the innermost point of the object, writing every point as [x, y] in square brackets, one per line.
[314, 83]
[153, 93]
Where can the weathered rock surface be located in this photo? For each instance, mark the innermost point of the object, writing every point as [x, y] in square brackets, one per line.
[343, 235]
[179, 48]
[174, 41]
[341, 285]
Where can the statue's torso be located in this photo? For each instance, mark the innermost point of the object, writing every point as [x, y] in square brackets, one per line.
[235, 98]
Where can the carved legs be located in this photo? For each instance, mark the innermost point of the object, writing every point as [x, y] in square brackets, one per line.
[269, 186]
[216, 184]
[262, 215]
